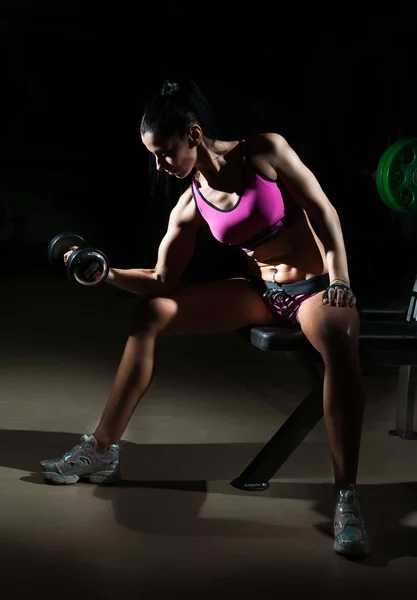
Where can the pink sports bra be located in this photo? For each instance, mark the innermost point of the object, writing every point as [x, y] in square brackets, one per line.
[259, 214]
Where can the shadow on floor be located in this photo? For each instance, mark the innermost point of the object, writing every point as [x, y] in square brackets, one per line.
[165, 486]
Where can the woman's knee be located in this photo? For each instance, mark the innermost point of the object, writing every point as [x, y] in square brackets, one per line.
[337, 333]
[152, 315]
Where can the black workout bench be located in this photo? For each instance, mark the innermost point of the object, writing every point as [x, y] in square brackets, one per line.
[388, 337]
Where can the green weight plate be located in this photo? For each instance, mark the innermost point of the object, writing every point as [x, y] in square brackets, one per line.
[396, 176]
[382, 175]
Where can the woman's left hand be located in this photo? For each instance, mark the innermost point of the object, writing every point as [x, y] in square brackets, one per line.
[339, 294]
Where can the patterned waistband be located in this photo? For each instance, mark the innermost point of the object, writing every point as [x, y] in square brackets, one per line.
[305, 286]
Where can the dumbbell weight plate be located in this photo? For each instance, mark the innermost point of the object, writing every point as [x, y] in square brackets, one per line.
[396, 176]
[87, 267]
[61, 244]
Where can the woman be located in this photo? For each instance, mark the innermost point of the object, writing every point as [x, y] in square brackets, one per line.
[256, 194]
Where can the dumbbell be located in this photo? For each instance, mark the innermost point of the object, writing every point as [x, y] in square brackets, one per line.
[85, 266]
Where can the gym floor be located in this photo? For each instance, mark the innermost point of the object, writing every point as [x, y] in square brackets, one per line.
[175, 525]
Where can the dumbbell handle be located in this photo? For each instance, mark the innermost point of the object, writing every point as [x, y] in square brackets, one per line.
[61, 244]
[84, 266]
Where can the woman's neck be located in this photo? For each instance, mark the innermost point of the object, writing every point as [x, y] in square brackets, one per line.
[213, 159]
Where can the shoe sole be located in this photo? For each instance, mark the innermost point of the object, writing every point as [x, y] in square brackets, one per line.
[103, 477]
[355, 550]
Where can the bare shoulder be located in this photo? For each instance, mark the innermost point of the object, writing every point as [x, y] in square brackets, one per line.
[268, 144]
[185, 211]
[269, 152]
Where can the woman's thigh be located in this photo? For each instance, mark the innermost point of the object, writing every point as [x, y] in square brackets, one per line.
[224, 305]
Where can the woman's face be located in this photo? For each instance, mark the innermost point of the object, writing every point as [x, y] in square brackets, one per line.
[175, 155]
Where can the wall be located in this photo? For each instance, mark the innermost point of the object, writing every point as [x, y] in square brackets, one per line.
[340, 89]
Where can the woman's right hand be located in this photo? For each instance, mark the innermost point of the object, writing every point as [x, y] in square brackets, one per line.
[68, 254]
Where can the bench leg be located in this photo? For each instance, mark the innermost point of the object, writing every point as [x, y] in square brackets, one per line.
[407, 387]
[289, 436]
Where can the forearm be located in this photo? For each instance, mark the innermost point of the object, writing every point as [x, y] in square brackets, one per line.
[332, 237]
[337, 265]
[139, 281]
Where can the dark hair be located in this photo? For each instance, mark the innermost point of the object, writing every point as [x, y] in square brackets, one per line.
[169, 111]
[174, 107]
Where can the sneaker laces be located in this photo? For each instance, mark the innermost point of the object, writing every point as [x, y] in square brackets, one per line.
[350, 514]
[83, 442]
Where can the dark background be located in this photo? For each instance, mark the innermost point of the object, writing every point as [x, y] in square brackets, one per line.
[337, 81]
